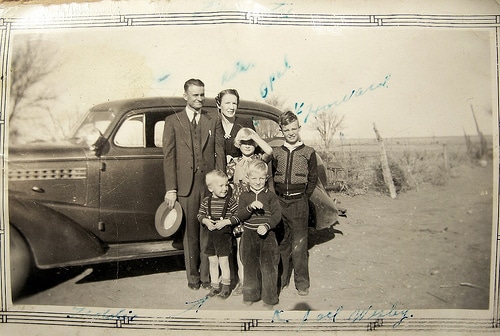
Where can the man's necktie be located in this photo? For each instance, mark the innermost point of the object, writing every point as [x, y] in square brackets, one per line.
[193, 122]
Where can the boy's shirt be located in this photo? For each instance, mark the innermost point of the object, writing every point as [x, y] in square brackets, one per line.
[295, 169]
[236, 170]
[212, 207]
[269, 216]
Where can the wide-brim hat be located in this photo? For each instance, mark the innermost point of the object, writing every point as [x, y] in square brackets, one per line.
[168, 220]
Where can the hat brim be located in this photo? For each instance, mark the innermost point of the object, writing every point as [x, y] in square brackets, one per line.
[168, 221]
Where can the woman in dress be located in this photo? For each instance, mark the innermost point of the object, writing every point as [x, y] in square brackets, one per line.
[227, 102]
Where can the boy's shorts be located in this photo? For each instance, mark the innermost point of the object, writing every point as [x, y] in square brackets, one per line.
[220, 242]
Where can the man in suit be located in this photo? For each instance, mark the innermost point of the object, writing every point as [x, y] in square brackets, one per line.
[193, 144]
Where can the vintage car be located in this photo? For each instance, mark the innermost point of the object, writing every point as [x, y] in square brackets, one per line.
[93, 197]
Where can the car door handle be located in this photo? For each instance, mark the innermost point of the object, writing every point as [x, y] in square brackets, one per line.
[37, 189]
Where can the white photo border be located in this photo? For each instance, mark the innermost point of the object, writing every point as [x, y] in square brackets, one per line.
[420, 321]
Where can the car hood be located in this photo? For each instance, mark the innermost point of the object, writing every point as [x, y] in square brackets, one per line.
[50, 173]
[45, 151]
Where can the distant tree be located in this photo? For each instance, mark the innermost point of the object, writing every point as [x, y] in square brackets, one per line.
[276, 101]
[327, 123]
[268, 129]
[32, 62]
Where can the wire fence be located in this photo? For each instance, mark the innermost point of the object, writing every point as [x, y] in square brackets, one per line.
[355, 166]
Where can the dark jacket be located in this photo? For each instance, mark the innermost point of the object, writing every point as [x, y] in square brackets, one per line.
[178, 163]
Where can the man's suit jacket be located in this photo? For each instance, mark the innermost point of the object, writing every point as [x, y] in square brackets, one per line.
[178, 160]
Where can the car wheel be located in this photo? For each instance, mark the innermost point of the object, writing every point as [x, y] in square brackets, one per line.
[20, 261]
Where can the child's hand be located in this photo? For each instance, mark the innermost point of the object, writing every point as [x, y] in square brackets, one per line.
[256, 205]
[221, 223]
[252, 134]
[210, 224]
[262, 230]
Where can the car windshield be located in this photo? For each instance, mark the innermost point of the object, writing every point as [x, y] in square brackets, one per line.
[91, 127]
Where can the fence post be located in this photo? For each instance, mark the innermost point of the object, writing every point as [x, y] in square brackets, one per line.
[385, 165]
[445, 158]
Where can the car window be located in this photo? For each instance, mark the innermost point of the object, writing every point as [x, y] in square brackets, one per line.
[158, 133]
[88, 130]
[131, 132]
[267, 129]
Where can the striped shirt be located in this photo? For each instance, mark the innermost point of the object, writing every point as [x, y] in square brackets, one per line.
[212, 208]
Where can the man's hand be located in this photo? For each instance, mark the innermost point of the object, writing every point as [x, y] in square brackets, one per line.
[170, 198]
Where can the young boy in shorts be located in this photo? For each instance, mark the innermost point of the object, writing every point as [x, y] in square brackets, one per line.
[295, 176]
[259, 211]
[217, 215]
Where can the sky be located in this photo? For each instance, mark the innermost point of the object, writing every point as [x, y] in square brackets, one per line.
[409, 81]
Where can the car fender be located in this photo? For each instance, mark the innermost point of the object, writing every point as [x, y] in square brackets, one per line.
[323, 211]
[54, 239]
[322, 177]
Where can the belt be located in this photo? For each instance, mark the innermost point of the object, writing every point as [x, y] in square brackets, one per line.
[290, 196]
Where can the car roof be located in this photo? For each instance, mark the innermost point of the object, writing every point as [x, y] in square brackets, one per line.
[125, 105]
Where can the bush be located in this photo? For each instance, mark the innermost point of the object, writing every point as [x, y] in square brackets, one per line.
[398, 177]
[438, 176]
[411, 163]
[357, 175]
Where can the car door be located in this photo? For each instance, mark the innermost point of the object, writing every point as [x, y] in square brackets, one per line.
[131, 178]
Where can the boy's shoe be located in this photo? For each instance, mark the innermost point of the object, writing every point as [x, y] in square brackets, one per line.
[213, 292]
[238, 290]
[206, 285]
[225, 292]
[247, 303]
[268, 305]
[194, 286]
[303, 292]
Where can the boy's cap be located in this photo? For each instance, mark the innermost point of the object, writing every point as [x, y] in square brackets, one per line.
[168, 221]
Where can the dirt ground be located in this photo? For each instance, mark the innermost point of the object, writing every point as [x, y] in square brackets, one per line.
[428, 249]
